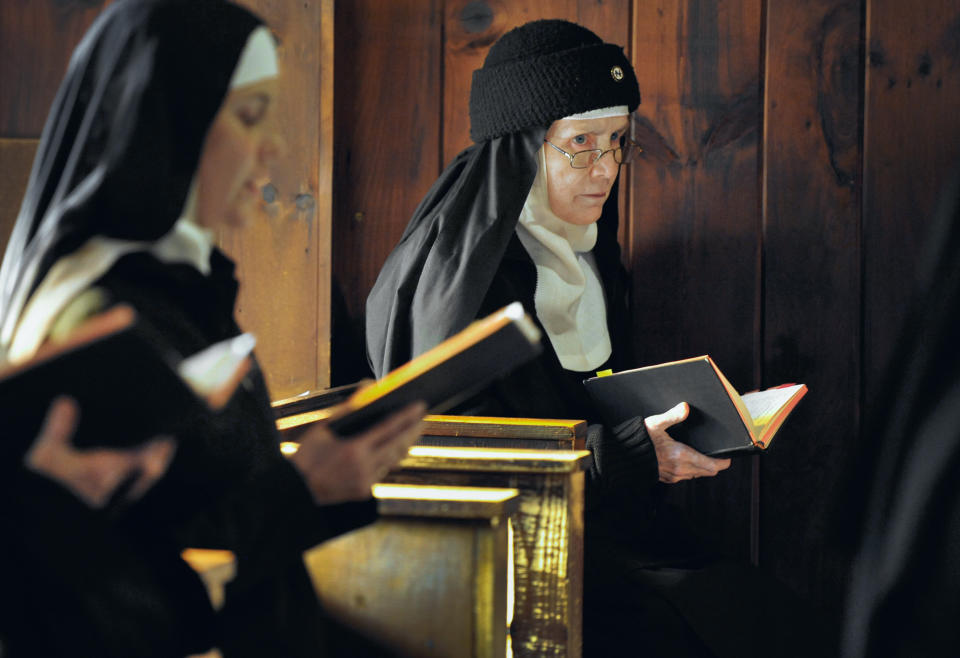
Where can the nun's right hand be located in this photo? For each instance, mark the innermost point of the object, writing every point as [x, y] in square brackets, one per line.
[337, 470]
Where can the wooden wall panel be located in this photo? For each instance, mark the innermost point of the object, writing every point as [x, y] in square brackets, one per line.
[387, 113]
[811, 299]
[283, 260]
[16, 159]
[912, 139]
[36, 40]
[692, 239]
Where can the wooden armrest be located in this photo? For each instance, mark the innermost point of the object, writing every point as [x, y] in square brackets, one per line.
[498, 431]
[547, 532]
[430, 577]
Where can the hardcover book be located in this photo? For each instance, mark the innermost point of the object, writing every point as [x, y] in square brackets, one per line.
[721, 422]
[441, 377]
[129, 386]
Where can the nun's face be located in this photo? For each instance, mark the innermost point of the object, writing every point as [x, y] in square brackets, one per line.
[577, 195]
[240, 145]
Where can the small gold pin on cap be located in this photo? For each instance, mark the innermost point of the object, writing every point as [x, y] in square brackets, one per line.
[616, 73]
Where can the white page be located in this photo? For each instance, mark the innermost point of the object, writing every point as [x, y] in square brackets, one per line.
[762, 405]
[210, 368]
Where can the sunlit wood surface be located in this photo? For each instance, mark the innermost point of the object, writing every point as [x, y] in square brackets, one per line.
[430, 577]
[547, 537]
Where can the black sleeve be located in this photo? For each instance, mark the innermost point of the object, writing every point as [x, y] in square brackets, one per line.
[624, 464]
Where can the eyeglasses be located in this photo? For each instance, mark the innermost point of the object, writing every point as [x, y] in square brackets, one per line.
[583, 159]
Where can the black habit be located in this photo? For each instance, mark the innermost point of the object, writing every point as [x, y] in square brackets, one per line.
[116, 159]
[651, 588]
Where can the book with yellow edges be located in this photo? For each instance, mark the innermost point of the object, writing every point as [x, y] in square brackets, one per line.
[721, 423]
[457, 368]
[129, 384]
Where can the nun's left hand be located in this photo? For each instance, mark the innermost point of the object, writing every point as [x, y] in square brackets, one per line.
[678, 461]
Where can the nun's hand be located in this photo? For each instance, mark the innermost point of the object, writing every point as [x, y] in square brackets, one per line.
[678, 461]
[338, 470]
[94, 474]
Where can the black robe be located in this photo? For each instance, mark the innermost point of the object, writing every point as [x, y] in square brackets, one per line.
[229, 486]
[458, 259]
[116, 159]
[904, 498]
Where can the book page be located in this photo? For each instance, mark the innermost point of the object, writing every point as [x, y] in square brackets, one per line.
[212, 367]
[763, 405]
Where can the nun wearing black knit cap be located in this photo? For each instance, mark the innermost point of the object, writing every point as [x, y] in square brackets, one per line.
[530, 213]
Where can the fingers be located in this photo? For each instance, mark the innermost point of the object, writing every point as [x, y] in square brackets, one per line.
[676, 461]
[669, 418]
[152, 460]
[337, 469]
[57, 428]
[394, 429]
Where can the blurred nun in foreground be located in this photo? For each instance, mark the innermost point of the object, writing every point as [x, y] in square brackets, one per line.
[161, 132]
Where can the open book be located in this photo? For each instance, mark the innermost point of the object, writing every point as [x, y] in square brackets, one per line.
[441, 377]
[130, 386]
[721, 422]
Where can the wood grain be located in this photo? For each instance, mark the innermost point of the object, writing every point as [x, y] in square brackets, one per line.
[693, 237]
[811, 281]
[547, 541]
[387, 131]
[911, 142]
[16, 159]
[283, 259]
[36, 40]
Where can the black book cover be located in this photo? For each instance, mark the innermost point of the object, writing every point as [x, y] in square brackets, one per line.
[120, 373]
[715, 426]
[446, 375]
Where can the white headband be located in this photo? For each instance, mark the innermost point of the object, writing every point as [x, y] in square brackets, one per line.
[258, 60]
[602, 113]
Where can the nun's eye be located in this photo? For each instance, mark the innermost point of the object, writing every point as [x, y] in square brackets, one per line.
[251, 111]
[579, 140]
[615, 137]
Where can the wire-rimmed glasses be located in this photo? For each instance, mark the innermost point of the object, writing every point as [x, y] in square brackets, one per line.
[582, 159]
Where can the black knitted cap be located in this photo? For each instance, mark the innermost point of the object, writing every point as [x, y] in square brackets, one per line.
[546, 70]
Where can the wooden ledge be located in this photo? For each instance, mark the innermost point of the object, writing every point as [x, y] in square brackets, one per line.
[556, 429]
[445, 502]
[498, 426]
[495, 459]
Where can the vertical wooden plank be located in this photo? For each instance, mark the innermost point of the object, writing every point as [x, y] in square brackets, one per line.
[36, 40]
[812, 281]
[16, 159]
[911, 140]
[387, 131]
[279, 258]
[693, 236]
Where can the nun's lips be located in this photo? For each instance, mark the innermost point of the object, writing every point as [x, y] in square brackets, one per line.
[596, 196]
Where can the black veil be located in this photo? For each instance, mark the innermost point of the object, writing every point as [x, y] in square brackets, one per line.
[124, 135]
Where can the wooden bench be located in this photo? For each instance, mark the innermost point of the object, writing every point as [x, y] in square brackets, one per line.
[430, 577]
[547, 532]
[543, 460]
